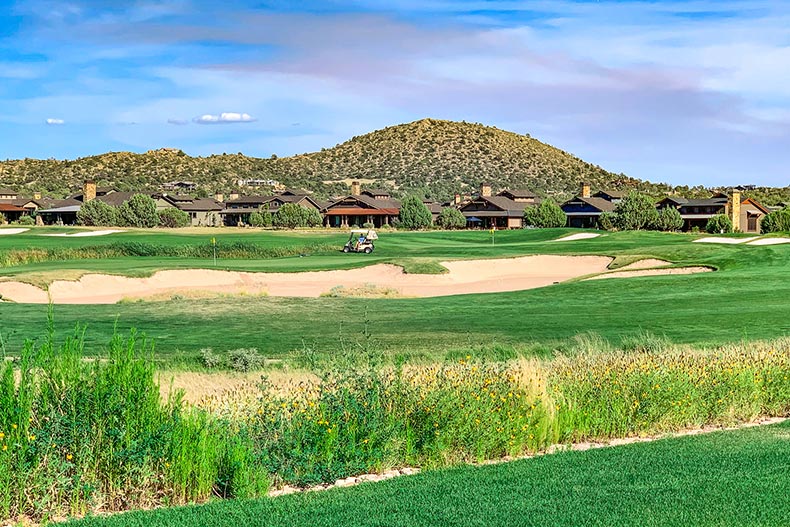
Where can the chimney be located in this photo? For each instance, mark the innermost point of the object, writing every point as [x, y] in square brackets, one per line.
[485, 190]
[457, 199]
[88, 191]
[356, 189]
[219, 197]
[586, 190]
[735, 211]
[37, 195]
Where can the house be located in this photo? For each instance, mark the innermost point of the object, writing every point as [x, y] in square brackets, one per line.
[179, 185]
[584, 210]
[503, 211]
[60, 212]
[746, 214]
[238, 209]
[203, 212]
[11, 212]
[435, 208]
[374, 206]
[8, 194]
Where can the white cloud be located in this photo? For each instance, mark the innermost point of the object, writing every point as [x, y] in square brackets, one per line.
[178, 122]
[225, 117]
[55, 121]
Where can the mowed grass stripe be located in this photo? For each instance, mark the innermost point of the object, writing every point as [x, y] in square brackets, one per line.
[724, 478]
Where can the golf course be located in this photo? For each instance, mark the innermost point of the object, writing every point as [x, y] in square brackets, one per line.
[218, 368]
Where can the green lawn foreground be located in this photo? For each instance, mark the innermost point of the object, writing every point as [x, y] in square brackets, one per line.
[723, 478]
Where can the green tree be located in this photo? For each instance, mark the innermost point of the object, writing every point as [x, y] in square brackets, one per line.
[669, 220]
[636, 212]
[139, 211]
[98, 214]
[607, 221]
[291, 215]
[451, 218]
[545, 216]
[777, 221]
[2, 219]
[256, 219]
[266, 216]
[414, 214]
[173, 218]
[719, 224]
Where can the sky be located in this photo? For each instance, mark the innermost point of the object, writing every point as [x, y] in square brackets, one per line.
[686, 92]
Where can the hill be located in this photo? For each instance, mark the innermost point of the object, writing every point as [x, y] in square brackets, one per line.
[432, 157]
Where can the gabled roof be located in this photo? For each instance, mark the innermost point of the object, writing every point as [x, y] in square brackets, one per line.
[502, 203]
[616, 194]
[373, 192]
[433, 206]
[369, 202]
[8, 207]
[757, 204]
[200, 205]
[8, 191]
[517, 193]
[603, 205]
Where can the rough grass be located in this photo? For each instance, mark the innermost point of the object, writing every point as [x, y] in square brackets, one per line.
[725, 478]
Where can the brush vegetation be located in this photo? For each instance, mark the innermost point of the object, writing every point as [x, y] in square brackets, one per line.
[100, 430]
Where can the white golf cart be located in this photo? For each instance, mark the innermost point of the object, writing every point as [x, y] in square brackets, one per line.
[361, 241]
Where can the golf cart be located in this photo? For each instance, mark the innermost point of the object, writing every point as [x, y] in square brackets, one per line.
[361, 241]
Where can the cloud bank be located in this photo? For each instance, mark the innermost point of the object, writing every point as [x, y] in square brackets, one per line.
[224, 118]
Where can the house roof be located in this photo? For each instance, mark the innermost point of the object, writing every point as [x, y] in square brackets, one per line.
[506, 206]
[376, 192]
[8, 207]
[57, 210]
[371, 203]
[517, 193]
[603, 205]
[617, 194]
[8, 191]
[433, 206]
[200, 205]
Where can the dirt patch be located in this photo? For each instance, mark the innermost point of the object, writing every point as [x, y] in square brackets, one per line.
[463, 277]
[652, 272]
[199, 387]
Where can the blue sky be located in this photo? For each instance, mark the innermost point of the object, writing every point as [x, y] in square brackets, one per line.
[688, 92]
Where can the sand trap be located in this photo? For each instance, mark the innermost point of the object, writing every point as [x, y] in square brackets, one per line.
[464, 276]
[732, 241]
[769, 241]
[652, 272]
[8, 232]
[579, 236]
[647, 263]
[83, 234]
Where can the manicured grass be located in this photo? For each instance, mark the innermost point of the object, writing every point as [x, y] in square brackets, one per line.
[724, 478]
[746, 299]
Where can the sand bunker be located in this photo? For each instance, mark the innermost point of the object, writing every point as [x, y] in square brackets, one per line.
[579, 236]
[731, 241]
[769, 241]
[647, 263]
[652, 272]
[464, 276]
[8, 232]
[83, 234]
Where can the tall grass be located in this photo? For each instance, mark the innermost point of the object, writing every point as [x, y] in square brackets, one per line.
[76, 435]
[81, 435]
[226, 250]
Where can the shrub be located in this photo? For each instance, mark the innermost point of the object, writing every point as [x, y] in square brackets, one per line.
[256, 219]
[669, 219]
[25, 220]
[209, 359]
[174, 218]
[546, 215]
[607, 221]
[414, 214]
[719, 224]
[777, 221]
[245, 359]
[139, 211]
[98, 214]
[636, 212]
[451, 218]
[291, 216]
[3, 220]
[266, 217]
[367, 225]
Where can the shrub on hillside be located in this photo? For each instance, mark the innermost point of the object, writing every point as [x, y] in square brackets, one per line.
[719, 224]
[451, 218]
[669, 220]
[139, 211]
[174, 218]
[636, 212]
[546, 215]
[291, 216]
[414, 214]
[777, 221]
[98, 214]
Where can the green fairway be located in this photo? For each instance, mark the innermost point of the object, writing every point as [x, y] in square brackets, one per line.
[725, 478]
[747, 298]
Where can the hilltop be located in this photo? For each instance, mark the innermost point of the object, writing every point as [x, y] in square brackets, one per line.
[432, 157]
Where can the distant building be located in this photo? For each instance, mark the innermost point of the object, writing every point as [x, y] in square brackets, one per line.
[503, 211]
[584, 209]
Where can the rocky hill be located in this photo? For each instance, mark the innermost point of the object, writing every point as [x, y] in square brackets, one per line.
[431, 157]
